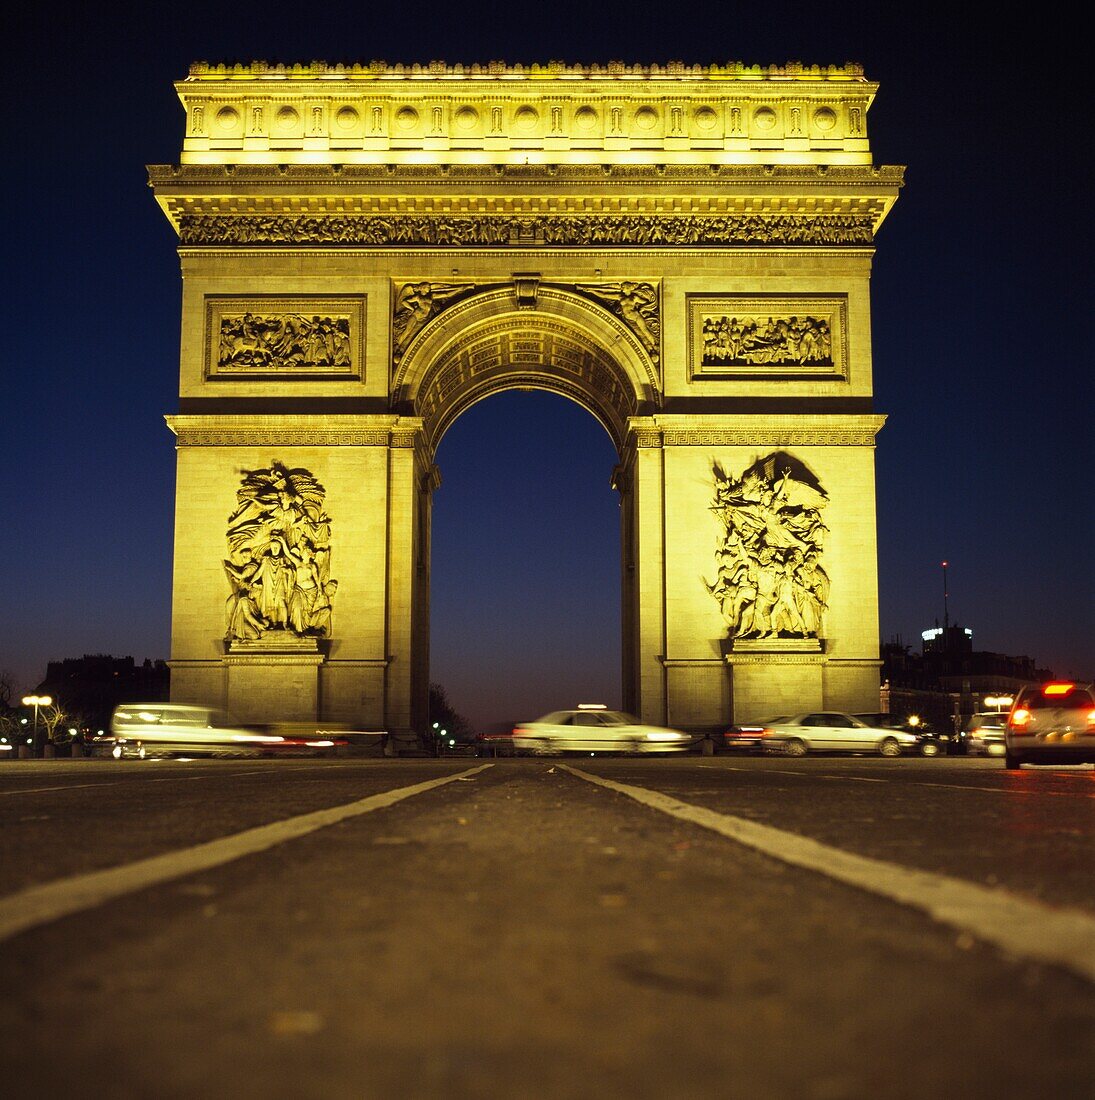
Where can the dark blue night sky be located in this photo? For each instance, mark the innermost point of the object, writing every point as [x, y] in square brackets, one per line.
[980, 292]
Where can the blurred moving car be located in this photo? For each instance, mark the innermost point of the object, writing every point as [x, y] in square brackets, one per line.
[496, 740]
[138, 730]
[929, 740]
[592, 728]
[749, 736]
[1051, 723]
[985, 733]
[831, 731]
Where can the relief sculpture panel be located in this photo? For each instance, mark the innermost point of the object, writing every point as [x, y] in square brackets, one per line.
[770, 582]
[279, 556]
[762, 337]
[296, 338]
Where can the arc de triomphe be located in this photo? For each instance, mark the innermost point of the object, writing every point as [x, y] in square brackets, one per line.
[368, 250]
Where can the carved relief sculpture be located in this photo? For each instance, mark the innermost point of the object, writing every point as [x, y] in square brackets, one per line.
[636, 304]
[501, 229]
[287, 341]
[771, 583]
[418, 303]
[279, 553]
[754, 340]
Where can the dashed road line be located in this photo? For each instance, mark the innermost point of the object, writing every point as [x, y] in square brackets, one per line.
[42, 904]
[1025, 928]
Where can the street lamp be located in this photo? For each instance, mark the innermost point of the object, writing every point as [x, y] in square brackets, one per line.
[36, 701]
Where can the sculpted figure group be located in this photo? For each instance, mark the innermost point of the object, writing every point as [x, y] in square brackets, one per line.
[636, 304]
[770, 582]
[503, 229]
[418, 303]
[803, 341]
[284, 341]
[279, 553]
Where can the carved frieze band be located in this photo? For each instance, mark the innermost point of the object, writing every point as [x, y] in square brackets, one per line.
[638, 230]
[243, 438]
[820, 437]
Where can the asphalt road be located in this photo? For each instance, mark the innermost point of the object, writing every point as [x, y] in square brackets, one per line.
[689, 927]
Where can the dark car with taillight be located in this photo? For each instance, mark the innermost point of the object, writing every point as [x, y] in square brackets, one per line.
[746, 737]
[1051, 723]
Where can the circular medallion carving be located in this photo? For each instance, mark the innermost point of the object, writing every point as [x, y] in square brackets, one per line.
[764, 118]
[646, 118]
[228, 118]
[585, 119]
[406, 118]
[526, 118]
[824, 118]
[287, 117]
[347, 118]
[705, 118]
[466, 118]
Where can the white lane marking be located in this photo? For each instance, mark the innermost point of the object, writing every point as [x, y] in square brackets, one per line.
[1029, 929]
[41, 904]
[119, 783]
[205, 774]
[63, 787]
[1001, 790]
[919, 783]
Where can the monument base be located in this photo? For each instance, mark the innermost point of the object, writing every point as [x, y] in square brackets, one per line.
[273, 678]
[775, 676]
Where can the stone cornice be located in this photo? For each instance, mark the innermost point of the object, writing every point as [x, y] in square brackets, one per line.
[398, 176]
[806, 430]
[495, 70]
[466, 205]
[295, 431]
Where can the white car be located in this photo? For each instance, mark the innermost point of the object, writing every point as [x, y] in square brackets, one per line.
[143, 729]
[831, 731]
[593, 729]
[985, 733]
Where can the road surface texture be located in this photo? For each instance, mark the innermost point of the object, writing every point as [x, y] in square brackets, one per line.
[691, 927]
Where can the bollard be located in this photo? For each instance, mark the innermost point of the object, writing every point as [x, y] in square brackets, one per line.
[708, 747]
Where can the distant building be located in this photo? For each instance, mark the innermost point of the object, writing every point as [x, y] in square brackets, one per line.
[90, 687]
[948, 680]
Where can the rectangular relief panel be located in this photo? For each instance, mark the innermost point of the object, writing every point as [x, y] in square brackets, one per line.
[295, 338]
[767, 336]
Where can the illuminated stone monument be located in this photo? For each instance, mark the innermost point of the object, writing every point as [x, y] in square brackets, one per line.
[368, 250]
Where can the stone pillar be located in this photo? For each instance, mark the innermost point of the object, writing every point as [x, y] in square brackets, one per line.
[402, 587]
[648, 503]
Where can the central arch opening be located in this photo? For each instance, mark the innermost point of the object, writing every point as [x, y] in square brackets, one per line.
[525, 592]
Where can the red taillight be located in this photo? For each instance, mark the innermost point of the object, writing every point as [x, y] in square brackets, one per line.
[1057, 689]
[519, 731]
[1019, 720]
[1091, 719]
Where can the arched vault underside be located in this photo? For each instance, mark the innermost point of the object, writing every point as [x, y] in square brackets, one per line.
[561, 343]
